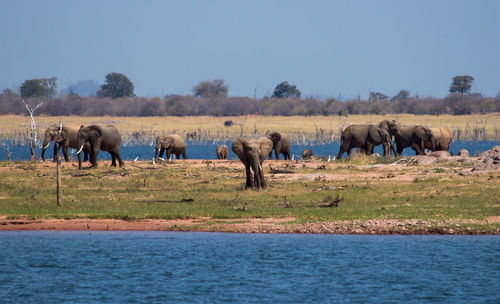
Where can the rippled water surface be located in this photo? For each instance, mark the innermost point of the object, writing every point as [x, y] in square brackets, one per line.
[156, 267]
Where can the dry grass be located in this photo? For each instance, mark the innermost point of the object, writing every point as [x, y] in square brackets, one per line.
[300, 127]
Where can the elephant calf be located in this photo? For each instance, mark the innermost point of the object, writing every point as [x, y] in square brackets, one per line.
[222, 152]
[172, 144]
[281, 144]
[252, 154]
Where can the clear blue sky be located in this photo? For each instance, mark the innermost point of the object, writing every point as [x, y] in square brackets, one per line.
[326, 48]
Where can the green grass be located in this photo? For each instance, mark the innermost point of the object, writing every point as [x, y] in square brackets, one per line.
[184, 191]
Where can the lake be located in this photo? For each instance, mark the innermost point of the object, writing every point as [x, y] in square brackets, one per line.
[206, 150]
[159, 267]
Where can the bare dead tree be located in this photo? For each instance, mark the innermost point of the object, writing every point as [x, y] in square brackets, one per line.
[58, 159]
[33, 130]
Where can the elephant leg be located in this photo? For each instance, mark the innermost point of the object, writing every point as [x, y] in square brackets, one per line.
[249, 182]
[56, 150]
[343, 148]
[263, 183]
[184, 154]
[277, 154]
[65, 152]
[85, 155]
[120, 160]
[93, 156]
[417, 149]
[113, 159]
[271, 155]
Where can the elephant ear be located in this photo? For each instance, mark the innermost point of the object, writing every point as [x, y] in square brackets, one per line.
[238, 148]
[275, 137]
[265, 147]
[95, 131]
[375, 134]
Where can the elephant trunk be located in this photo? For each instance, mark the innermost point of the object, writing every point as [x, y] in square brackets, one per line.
[433, 142]
[46, 144]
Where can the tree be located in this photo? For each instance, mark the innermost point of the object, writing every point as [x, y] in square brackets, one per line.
[402, 95]
[461, 84]
[116, 85]
[33, 134]
[286, 90]
[376, 96]
[42, 87]
[212, 88]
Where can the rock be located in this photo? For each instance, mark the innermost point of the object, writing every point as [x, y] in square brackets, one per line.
[376, 155]
[440, 154]
[463, 152]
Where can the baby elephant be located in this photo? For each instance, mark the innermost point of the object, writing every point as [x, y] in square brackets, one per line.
[307, 154]
[222, 151]
[172, 144]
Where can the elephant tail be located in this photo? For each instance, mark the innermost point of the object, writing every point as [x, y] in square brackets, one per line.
[451, 142]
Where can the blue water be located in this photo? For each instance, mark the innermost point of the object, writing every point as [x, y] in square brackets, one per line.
[160, 267]
[197, 150]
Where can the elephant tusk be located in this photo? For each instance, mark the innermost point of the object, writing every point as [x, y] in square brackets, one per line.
[260, 168]
[251, 170]
[79, 151]
[46, 146]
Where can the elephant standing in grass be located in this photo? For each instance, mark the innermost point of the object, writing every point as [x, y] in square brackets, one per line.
[442, 140]
[281, 144]
[365, 137]
[414, 137]
[252, 153]
[99, 137]
[67, 139]
[173, 144]
[222, 152]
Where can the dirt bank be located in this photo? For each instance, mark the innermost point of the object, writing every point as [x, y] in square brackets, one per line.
[269, 225]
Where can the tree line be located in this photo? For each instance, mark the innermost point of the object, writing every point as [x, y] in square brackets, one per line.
[116, 98]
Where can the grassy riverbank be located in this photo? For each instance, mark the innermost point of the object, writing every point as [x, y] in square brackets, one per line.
[415, 199]
[471, 127]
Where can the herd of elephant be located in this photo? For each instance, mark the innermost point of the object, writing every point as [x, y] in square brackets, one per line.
[91, 139]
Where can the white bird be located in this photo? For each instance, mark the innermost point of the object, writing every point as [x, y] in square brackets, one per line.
[136, 158]
[293, 156]
[171, 156]
[329, 158]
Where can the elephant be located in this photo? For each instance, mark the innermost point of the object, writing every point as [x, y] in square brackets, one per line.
[365, 137]
[281, 144]
[68, 138]
[307, 154]
[390, 126]
[173, 144]
[252, 154]
[99, 137]
[442, 138]
[222, 151]
[414, 137]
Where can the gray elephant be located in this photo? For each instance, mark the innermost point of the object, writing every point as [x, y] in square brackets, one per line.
[252, 153]
[414, 137]
[281, 144]
[365, 137]
[442, 140]
[390, 126]
[172, 144]
[222, 152]
[307, 154]
[99, 137]
[67, 139]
